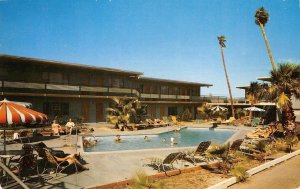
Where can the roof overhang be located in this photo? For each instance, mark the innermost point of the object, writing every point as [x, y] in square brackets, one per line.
[175, 81]
[11, 58]
[243, 87]
[264, 78]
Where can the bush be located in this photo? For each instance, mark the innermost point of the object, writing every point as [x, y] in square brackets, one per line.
[186, 115]
[240, 172]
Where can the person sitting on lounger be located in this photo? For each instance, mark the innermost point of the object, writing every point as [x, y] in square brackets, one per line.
[72, 159]
[56, 128]
[70, 125]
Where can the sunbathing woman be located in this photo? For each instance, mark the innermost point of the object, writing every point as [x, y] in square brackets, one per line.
[72, 159]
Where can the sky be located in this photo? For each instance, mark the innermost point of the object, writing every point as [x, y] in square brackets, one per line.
[169, 39]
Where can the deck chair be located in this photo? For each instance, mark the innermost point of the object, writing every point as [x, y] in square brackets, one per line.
[255, 122]
[229, 121]
[169, 160]
[58, 165]
[174, 120]
[235, 146]
[24, 136]
[201, 149]
[166, 120]
[27, 164]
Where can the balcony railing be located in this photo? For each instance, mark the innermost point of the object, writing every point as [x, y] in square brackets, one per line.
[51, 88]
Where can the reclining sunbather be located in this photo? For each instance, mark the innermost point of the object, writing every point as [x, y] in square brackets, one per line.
[72, 159]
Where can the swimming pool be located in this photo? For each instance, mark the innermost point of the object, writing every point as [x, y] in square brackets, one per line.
[185, 138]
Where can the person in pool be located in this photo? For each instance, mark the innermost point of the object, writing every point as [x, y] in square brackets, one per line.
[163, 140]
[146, 139]
[118, 138]
[173, 141]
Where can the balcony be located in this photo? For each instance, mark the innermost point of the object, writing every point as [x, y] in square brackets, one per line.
[45, 89]
[63, 90]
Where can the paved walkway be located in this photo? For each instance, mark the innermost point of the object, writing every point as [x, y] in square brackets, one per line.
[111, 167]
[285, 175]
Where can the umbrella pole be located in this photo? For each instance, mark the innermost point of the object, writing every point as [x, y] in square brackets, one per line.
[4, 143]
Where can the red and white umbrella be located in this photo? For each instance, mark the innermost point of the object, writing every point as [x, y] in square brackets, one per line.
[13, 112]
[16, 113]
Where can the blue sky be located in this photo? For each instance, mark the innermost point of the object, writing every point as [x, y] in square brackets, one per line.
[171, 39]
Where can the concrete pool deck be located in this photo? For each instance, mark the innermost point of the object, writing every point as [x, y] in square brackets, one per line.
[111, 167]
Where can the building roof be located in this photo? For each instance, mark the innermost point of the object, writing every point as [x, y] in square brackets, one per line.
[243, 87]
[174, 81]
[12, 58]
[264, 78]
[4, 57]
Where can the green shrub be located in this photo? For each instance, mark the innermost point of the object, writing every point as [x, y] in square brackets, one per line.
[186, 115]
[240, 172]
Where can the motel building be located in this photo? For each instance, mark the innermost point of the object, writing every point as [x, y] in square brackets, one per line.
[82, 91]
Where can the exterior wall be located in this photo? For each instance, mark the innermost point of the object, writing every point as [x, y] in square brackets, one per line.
[160, 110]
[86, 91]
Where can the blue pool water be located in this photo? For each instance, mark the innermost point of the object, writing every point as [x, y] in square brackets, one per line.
[186, 137]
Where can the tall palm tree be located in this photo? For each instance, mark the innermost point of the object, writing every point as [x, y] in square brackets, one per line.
[253, 94]
[222, 44]
[285, 83]
[261, 18]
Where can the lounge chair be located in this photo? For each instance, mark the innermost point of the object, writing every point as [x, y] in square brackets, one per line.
[24, 136]
[231, 120]
[166, 120]
[255, 122]
[59, 165]
[201, 149]
[235, 146]
[169, 160]
[25, 163]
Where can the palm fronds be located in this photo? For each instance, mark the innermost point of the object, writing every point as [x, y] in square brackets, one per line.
[261, 16]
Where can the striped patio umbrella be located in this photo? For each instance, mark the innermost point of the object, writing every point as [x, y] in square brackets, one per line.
[254, 109]
[16, 113]
[218, 108]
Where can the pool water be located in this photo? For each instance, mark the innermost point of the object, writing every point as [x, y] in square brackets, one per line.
[185, 138]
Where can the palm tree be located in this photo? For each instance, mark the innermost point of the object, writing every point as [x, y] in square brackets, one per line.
[285, 83]
[261, 18]
[125, 109]
[253, 94]
[222, 41]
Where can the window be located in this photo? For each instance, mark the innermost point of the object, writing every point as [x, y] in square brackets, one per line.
[172, 110]
[141, 88]
[107, 82]
[56, 108]
[117, 82]
[164, 89]
[146, 89]
[55, 78]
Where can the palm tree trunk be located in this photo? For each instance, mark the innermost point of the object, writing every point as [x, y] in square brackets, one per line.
[288, 119]
[268, 46]
[227, 80]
